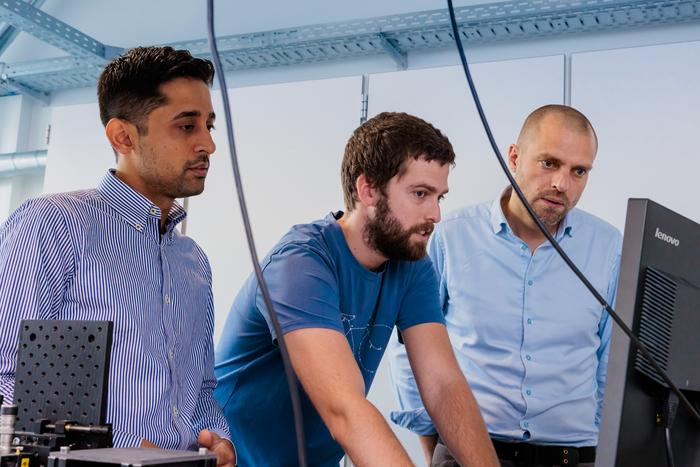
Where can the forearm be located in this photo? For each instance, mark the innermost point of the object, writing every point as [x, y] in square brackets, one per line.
[428, 443]
[365, 436]
[458, 420]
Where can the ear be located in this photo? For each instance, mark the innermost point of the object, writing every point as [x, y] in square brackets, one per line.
[366, 191]
[513, 157]
[122, 135]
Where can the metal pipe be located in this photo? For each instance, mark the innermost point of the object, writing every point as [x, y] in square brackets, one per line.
[16, 163]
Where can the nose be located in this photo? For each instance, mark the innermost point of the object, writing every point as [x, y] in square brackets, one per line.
[434, 214]
[205, 143]
[561, 181]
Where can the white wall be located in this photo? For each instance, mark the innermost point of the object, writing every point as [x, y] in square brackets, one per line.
[645, 105]
[23, 127]
[9, 128]
[79, 154]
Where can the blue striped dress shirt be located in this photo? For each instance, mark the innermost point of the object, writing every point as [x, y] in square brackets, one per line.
[99, 255]
[530, 338]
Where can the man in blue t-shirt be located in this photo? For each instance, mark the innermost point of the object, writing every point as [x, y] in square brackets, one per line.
[339, 286]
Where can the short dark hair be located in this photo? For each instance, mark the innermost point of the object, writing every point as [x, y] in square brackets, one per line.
[128, 87]
[380, 147]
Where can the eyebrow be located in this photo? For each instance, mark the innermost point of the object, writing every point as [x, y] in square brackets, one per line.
[427, 187]
[193, 113]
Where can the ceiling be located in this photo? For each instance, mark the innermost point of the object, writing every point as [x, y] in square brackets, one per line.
[49, 46]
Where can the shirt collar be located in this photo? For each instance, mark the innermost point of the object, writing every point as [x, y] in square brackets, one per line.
[131, 205]
[499, 223]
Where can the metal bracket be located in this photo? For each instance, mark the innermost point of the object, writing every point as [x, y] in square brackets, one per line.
[19, 88]
[393, 50]
[9, 34]
[32, 20]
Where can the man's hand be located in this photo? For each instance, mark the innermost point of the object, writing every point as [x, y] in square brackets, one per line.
[225, 454]
[147, 444]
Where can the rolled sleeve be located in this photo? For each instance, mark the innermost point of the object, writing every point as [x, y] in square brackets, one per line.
[411, 414]
[416, 420]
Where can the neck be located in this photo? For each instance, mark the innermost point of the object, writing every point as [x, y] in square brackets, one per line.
[163, 202]
[522, 224]
[352, 224]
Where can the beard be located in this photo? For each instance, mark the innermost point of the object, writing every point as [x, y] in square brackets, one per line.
[550, 215]
[385, 234]
[174, 184]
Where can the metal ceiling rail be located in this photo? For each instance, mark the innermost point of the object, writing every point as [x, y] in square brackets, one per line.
[32, 20]
[9, 33]
[395, 36]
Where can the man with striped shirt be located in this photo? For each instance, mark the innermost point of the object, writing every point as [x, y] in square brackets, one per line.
[113, 253]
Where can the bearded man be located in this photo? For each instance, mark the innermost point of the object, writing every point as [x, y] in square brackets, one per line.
[530, 338]
[339, 286]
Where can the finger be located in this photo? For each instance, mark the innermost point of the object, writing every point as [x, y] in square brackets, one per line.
[206, 438]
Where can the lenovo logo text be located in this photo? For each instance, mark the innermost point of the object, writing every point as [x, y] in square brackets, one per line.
[666, 238]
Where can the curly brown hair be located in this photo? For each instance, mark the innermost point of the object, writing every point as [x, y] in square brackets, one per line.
[380, 147]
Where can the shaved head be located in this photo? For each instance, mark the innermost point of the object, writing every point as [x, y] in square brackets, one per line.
[563, 115]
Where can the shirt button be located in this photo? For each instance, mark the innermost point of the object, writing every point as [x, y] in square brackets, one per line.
[171, 354]
[529, 321]
[153, 211]
[528, 392]
[175, 411]
[528, 357]
[523, 247]
[529, 282]
[526, 424]
[167, 299]
[138, 227]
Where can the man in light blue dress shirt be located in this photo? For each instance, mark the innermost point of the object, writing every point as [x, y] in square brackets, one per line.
[114, 253]
[530, 338]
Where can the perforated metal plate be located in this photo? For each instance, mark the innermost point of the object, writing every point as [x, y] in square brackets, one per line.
[62, 371]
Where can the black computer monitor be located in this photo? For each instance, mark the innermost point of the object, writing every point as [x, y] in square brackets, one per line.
[659, 299]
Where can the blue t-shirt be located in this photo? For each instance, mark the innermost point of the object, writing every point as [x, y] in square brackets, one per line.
[315, 282]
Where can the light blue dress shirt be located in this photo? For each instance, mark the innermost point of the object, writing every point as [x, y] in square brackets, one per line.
[530, 338]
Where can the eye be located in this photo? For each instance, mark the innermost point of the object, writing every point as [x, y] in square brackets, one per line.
[211, 127]
[441, 198]
[187, 128]
[547, 163]
[420, 194]
[580, 172]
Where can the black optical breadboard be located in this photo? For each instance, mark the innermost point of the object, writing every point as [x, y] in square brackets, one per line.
[62, 372]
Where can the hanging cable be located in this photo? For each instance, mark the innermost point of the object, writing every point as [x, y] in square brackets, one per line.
[668, 416]
[642, 348]
[289, 371]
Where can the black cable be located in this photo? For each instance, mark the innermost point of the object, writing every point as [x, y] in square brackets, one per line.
[642, 348]
[668, 416]
[669, 449]
[289, 371]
